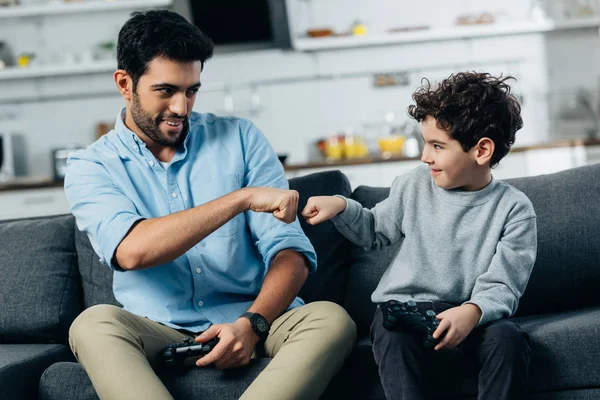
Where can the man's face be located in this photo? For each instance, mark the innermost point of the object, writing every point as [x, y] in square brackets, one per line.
[164, 98]
[451, 167]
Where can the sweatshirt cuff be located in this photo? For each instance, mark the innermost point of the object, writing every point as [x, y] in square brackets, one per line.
[349, 214]
[486, 314]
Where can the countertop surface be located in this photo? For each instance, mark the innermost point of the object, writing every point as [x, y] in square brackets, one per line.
[45, 183]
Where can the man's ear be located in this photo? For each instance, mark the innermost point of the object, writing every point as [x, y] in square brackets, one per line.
[124, 84]
[484, 150]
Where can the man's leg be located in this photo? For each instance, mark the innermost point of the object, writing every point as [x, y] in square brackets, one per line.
[117, 348]
[308, 344]
[400, 358]
[503, 352]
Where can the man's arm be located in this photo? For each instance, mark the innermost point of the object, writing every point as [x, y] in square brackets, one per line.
[160, 240]
[283, 281]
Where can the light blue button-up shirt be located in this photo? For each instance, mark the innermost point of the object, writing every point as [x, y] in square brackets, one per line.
[117, 181]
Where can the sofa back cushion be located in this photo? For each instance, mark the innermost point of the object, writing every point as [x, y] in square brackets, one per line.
[333, 250]
[367, 266]
[96, 278]
[567, 269]
[40, 291]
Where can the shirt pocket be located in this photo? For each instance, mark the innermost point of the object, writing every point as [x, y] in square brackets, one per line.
[205, 192]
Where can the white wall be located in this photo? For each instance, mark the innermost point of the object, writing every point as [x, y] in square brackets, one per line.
[294, 113]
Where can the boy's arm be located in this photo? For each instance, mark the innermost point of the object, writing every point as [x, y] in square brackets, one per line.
[498, 290]
[375, 228]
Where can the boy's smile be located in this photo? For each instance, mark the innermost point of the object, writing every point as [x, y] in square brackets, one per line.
[451, 167]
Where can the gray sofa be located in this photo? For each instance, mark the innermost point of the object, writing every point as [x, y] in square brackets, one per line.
[49, 273]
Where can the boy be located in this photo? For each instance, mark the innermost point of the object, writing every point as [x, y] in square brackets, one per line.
[467, 241]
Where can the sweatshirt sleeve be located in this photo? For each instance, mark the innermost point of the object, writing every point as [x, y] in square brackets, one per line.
[498, 290]
[377, 227]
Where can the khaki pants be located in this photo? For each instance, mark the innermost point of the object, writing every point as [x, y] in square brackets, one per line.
[117, 349]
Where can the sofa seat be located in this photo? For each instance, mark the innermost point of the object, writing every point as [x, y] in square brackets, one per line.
[69, 381]
[21, 366]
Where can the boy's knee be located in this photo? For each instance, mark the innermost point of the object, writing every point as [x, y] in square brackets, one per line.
[509, 335]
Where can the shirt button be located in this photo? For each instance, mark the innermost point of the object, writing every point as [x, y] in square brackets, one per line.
[151, 163]
[198, 270]
[174, 195]
[200, 303]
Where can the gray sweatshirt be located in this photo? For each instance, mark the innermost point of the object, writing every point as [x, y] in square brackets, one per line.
[454, 246]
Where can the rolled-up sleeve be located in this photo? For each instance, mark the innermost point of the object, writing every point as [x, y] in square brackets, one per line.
[100, 208]
[263, 168]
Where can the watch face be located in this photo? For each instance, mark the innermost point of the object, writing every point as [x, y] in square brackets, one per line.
[262, 325]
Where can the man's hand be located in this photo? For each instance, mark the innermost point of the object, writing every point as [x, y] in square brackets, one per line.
[321, 208]
[457, 322]
[235, 347]
[282, 203]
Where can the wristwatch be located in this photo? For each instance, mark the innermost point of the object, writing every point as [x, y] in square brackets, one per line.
[260, 326]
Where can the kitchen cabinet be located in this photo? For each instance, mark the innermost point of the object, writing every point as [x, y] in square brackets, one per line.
[33, 203]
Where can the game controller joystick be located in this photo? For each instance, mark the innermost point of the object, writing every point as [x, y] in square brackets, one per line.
[405, 316]
[187, 352]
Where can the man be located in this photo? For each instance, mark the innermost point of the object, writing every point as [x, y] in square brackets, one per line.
[193, 214]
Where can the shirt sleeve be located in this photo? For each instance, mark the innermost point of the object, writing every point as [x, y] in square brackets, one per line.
[100, 208]
[375, 228]
[263, 168]
[498, 290]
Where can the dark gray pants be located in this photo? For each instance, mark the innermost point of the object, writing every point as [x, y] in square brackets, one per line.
[501, 349]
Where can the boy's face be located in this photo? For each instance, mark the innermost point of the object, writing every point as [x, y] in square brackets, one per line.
[451, 167]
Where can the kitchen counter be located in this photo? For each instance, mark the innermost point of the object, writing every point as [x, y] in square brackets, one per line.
[42, 183]
[378, 159]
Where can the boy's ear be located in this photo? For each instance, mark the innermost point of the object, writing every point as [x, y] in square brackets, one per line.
[484, 150]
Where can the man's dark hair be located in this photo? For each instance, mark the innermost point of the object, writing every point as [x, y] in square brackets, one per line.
[159, 33]
[470, 106]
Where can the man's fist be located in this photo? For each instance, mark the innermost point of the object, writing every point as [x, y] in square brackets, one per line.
[321, 208]
[282, 203]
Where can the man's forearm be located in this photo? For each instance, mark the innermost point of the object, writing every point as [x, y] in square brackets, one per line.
[283, 281]
[157, 241]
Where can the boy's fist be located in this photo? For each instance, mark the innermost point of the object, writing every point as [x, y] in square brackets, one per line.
[321, 208]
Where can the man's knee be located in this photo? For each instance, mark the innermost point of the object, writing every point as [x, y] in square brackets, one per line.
[94, 321]
[334, 321]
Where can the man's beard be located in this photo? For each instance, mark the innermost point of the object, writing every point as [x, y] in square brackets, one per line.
[151, 128]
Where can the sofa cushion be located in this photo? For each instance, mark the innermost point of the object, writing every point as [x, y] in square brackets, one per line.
[333, 249]
[567, 269]
[96, 278]
[40, 291]
[367, 266]
[21, 366]
[69, 381]
[565, 349]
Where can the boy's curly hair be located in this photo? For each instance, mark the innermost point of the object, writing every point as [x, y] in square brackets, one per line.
[470, 106]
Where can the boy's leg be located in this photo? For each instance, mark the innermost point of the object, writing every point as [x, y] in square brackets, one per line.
[503, 352]
[308, 344]
[116, 348]
[400, 357]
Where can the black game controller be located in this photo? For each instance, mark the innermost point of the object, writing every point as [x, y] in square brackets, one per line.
[405, 316]
[187, 352]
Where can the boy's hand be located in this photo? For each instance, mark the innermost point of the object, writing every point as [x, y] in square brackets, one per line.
[457, 322]
[321, 208]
